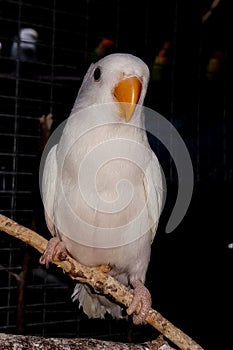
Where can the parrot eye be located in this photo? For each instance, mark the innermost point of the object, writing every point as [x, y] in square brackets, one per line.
[97, 74]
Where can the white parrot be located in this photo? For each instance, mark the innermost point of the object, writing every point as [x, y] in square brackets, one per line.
[24, 51]
[102, 184]
[24, 48]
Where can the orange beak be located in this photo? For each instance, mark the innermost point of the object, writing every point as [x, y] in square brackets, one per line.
[127, 92]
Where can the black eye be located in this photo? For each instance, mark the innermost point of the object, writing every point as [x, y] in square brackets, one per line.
[97, 74]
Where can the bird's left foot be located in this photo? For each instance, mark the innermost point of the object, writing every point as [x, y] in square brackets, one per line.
[55, 248]
[141, 303]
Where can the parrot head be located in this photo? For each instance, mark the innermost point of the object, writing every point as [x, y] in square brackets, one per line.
[28, 35]
[118, 77]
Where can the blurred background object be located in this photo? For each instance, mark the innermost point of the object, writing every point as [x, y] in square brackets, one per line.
[161, 61]
[24, 46]
[24, 52]
[105, 47]
[214, 65]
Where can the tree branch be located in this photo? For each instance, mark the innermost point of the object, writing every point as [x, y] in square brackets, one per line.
[98, 278]
[8, 341]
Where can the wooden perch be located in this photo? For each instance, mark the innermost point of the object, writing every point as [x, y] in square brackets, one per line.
[8, 342]
[103, 283]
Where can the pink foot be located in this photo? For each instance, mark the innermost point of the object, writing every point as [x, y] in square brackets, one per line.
[54, 248]
[141, 303]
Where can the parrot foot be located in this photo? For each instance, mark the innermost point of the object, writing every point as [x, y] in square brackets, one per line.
[141, 303]
[54, 248]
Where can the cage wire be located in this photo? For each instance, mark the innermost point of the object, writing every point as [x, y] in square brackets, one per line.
[189, 63]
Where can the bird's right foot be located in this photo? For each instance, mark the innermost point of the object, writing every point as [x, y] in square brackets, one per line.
[54, 248]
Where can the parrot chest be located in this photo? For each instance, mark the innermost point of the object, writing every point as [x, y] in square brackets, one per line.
[101, 178]
[100, 196]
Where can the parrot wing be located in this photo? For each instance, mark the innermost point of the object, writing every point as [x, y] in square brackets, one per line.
[154, 188]
[49, 187]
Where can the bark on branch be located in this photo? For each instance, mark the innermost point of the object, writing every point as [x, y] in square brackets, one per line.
[103, 283]
[8, 342]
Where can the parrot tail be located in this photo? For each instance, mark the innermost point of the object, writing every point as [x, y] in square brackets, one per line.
[95, 305]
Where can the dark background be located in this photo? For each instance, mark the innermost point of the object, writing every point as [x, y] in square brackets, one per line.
[190, 271]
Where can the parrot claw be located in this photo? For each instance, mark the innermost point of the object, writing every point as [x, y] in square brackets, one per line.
[141, 303]
[55, 248]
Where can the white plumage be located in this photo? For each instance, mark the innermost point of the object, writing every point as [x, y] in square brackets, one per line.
[102, 184]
